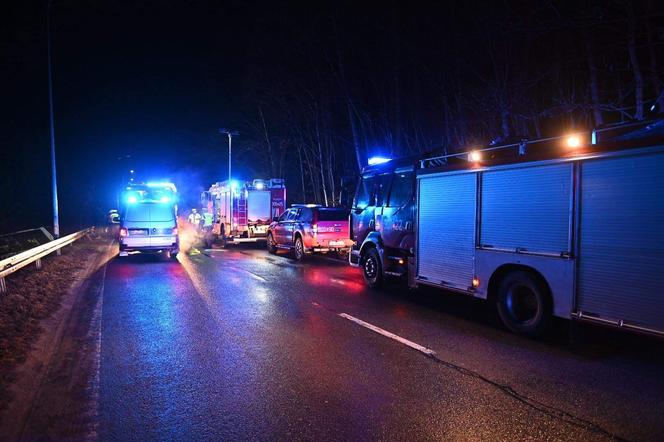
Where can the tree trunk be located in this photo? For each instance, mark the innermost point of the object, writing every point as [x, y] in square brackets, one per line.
[304, 188]
[267, 141]
[654, 79]
[594, 86]
[634, 61]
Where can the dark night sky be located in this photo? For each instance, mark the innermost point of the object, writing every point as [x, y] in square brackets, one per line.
[152, 81]
[155, 79]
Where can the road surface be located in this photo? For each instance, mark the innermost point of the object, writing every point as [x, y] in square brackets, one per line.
[239, 344]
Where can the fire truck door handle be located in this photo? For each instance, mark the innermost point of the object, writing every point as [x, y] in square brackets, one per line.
[372, 223]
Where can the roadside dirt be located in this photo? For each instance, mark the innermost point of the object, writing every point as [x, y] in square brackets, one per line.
[35, 295]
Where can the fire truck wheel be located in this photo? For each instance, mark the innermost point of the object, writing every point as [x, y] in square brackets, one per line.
[298, 249]
[372, 269]
[524, 304]
[222, 237]
[271, 247]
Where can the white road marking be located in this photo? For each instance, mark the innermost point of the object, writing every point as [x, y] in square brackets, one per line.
[411, 344]
[215, 250]
[255, 276]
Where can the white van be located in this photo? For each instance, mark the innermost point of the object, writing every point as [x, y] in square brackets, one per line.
[149, 226]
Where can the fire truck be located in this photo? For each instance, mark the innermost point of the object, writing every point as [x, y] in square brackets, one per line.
[571, 227]
[243, 211]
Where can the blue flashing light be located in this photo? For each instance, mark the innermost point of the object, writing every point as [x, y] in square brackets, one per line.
[260, 185]
[377, 160]
[162, 184]
[164, 199]
[131, 199]
[234, 184]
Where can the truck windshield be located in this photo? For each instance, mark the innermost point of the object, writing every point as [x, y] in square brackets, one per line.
[364, 195]
[332, 215]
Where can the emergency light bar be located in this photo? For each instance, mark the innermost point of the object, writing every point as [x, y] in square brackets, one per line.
[377, 160]
[162, 184]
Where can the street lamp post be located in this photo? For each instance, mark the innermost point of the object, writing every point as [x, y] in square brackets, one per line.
[54, 180]
[230, 134]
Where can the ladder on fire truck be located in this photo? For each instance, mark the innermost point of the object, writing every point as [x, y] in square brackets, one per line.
[241, 210]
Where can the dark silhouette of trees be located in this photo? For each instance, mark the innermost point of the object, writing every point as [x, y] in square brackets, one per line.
[342, 84]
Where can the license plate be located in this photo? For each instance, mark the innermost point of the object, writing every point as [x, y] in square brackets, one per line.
[133, 232]
[336, 243]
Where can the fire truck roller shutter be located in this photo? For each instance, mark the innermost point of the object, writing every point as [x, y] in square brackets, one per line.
[621, 265]
[527, 208]
[446, 229]
[259, 206]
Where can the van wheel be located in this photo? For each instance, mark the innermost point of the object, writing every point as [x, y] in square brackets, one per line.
[524, 304]
[271, 246]
[372, 269]
[298, 249]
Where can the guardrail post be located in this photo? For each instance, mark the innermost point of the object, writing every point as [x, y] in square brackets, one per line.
[38, 264]
[3, 285]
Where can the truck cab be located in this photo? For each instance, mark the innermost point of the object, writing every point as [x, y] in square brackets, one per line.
[382, 220]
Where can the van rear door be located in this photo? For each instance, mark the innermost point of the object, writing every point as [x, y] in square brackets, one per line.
[162, 223]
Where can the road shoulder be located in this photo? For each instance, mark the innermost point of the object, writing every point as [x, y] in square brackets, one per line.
[47, 388]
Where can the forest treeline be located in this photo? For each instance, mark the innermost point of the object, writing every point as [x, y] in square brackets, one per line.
[405, 78]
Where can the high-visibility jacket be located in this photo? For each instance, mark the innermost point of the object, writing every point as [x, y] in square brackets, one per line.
[207, 219]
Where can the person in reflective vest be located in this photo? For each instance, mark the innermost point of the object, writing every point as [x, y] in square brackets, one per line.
[194, 218]
[207, 218]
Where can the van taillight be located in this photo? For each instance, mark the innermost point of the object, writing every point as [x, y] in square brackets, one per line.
[175, 230]
[123, 232]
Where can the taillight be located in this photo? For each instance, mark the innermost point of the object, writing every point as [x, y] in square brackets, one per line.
[175, 231]
[314, 228]
[123, 232]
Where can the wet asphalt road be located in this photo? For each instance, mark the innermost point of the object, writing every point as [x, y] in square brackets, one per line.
[239, 344]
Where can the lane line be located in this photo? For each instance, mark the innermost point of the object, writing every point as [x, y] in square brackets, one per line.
[255, 276]
[411, 344]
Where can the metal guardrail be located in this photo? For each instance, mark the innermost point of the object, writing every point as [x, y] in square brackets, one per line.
[20, 260]
[17, 242]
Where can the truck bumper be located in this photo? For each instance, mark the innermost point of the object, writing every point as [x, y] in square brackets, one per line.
[354, 258]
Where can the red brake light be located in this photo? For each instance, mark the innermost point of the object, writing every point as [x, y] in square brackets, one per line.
[123, 232]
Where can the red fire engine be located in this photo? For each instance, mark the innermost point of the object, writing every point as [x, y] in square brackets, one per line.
[242, 211]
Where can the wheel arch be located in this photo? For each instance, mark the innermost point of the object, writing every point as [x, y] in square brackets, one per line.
[505, 269]
[372, 240]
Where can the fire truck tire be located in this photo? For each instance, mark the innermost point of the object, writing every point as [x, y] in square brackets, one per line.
[271, 247]
[524, 304]
[298, 249]
[372, 268]
[222, 236]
